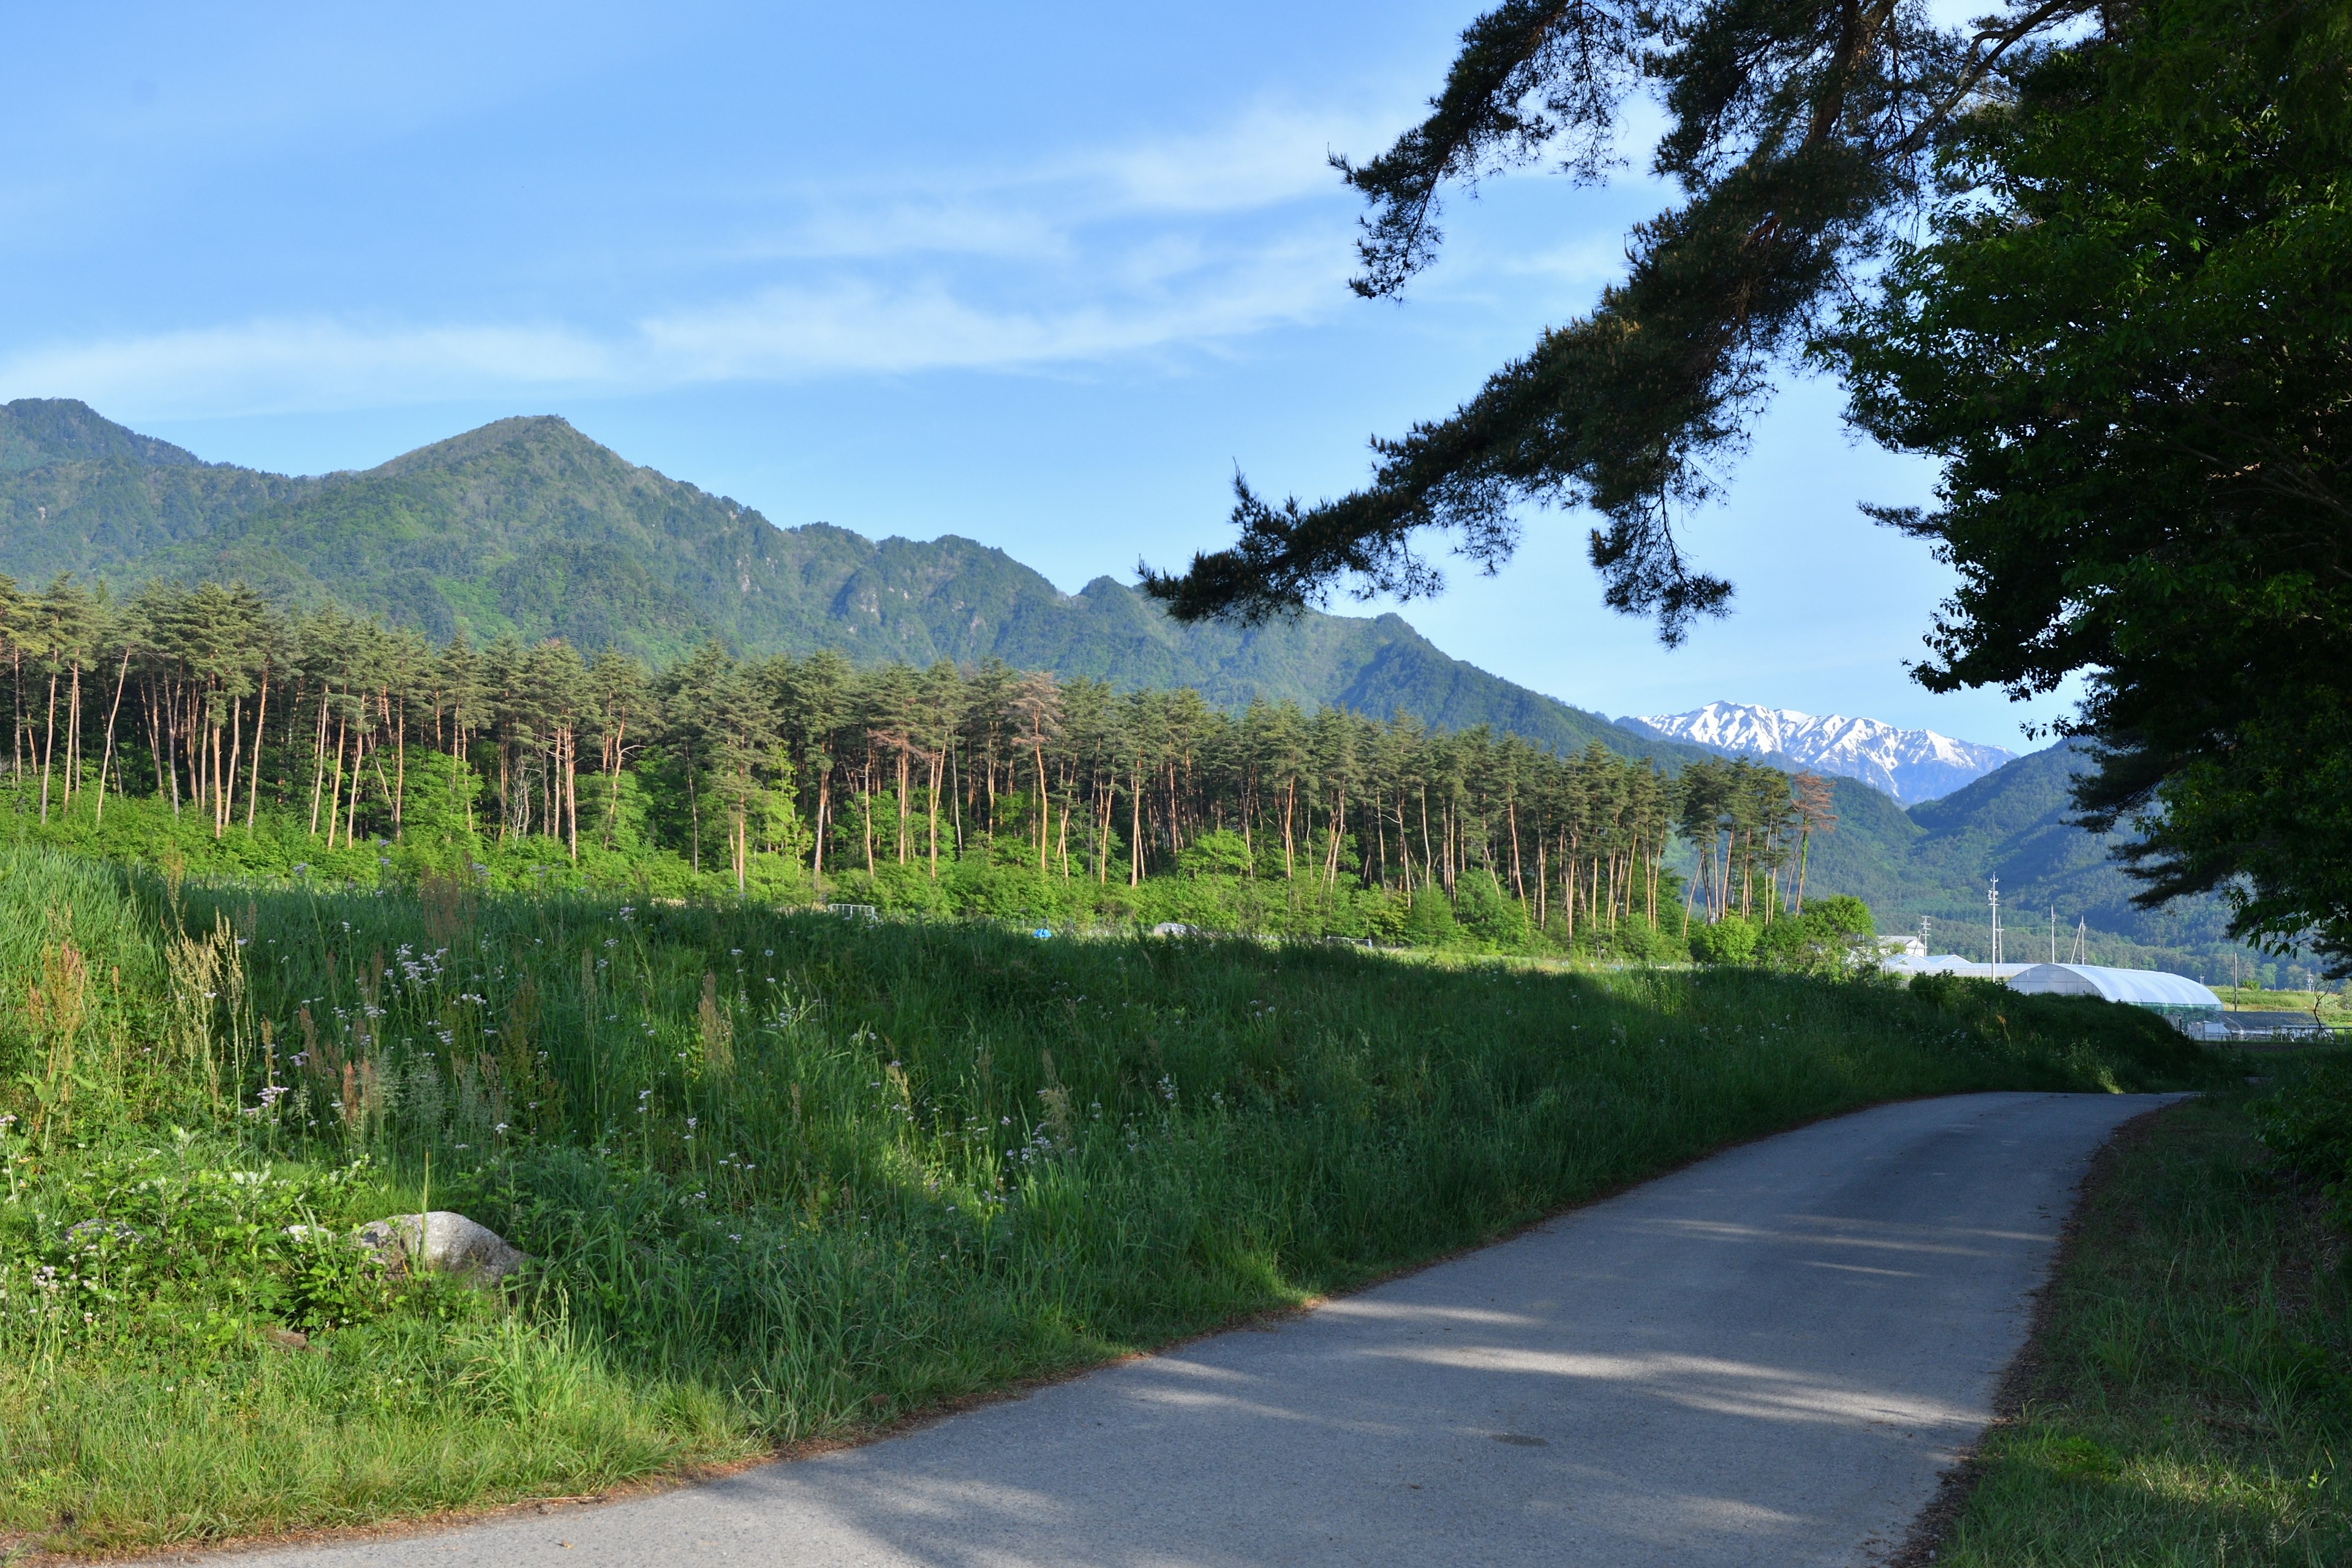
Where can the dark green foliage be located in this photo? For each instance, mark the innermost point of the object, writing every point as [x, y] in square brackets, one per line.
[1835, 935]
[2307, 1123]
[2127, 343]
[1797, 132]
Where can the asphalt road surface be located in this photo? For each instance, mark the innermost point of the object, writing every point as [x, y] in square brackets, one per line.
[1764, 1359]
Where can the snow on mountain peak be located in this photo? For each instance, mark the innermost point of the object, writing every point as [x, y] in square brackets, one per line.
[1912, 765]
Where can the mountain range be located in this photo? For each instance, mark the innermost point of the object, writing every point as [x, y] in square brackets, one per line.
[1912, 765]
[526, 526]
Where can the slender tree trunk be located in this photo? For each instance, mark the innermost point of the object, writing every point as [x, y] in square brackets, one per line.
[824, 802]
[260, 729]
[1134, 829]
[319, 763]
[400, 773]
[107, 760]
[572, 789]
[351, 807]
[335, 801]
[613, 804]
[1045, 806]
[73, 737]
[932, 810]
[905, 844]
[49, 743]
[228, 777]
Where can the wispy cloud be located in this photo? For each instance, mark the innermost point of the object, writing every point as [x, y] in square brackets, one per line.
[1186, 244]
[846, 326]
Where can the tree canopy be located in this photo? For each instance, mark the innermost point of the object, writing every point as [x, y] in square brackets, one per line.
[1801, 132]
[2128, 339]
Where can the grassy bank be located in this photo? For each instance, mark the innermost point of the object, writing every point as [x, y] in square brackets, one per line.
[2192, 1400]
[787, 1176]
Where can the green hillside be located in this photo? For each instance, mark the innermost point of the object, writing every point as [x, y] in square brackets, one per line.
[1936, 858]
[526, 527]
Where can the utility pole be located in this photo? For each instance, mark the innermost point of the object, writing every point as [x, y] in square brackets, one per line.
[2054, 933]
[1993, 898]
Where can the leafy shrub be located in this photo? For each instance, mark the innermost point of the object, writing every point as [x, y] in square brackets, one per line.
[1221, 853]
[1499, 923]
[1834, 936]
[2308, 1125]
[1730, 940]
[1430, 922]
[196, 1239]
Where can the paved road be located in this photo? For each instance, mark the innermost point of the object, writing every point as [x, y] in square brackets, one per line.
[1765, 1359]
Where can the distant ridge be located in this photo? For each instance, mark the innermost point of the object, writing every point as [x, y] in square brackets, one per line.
[1912, 765]
[526, 527]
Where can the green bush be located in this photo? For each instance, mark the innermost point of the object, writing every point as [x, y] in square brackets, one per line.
[2307, 1126]
[1221, 853]
[1731, 940]
[1835, 935]
[1429, 920]
[1496, 922]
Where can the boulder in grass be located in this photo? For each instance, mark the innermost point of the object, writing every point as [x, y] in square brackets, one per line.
[442, 1242]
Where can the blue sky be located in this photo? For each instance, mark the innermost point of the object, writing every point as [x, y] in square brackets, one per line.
[1039, 275]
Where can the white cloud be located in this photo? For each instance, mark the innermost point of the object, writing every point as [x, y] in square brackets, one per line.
[278, 365]
[841, 327]
[1184, 244]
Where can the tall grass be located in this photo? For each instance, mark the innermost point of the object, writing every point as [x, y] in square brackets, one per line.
[2193, 1398]
[788, 1176]
[80, 996]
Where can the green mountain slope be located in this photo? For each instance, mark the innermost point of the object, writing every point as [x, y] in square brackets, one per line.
[1936, 861]
[526, 527]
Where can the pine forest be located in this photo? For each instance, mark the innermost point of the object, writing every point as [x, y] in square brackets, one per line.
[205, 726]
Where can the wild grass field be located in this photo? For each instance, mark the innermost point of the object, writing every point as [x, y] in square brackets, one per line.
[2191, 1398]
[786, 1176]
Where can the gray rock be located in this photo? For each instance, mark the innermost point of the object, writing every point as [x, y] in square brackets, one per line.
[93, 1233]
[442, 1242]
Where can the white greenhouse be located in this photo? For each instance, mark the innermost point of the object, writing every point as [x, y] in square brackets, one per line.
[1906, 963]
[2173, 995]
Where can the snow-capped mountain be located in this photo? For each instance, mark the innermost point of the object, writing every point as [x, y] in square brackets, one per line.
[1912, 765]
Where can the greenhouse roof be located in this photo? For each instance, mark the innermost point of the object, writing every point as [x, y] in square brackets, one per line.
[2141, 987]
[1950, 963]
